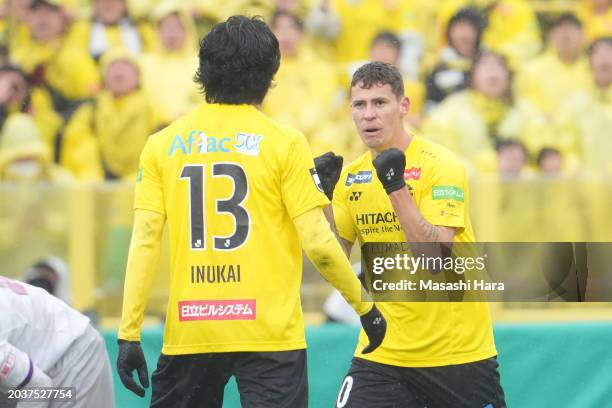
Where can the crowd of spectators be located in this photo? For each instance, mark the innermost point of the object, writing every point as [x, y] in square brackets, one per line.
[514, 87]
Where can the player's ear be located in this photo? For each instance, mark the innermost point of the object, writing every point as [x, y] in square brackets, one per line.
[404, 105]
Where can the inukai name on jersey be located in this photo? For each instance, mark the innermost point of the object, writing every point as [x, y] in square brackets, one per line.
[199, 142]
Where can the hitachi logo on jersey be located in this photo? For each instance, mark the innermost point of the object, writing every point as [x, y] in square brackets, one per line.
[376, 218]
[362, 177]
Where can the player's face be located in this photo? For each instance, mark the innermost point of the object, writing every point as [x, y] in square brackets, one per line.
[121, 77]
[491, 77]
[601, 65]
[378, 113]
[171, 32]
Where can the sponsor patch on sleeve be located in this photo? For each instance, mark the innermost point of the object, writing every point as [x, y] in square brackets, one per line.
[447, 193]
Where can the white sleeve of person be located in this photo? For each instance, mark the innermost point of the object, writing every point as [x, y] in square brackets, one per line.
[17, 369]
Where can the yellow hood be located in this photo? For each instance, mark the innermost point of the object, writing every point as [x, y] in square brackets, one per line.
[20, 139]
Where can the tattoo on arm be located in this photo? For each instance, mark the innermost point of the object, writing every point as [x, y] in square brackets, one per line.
[432, 234]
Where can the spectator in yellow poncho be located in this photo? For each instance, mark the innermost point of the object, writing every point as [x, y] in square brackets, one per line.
[471, 123]
[60, 73]
[596, 15]
[112, 27]
[584, 121]
[512, 27]
[304, 86]
[175, 58]
[104, 138]
[24, 157]
[561, 70]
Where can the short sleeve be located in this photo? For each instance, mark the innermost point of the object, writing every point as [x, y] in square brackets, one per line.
[342, 215]
[149, 193]
[300, 185]
[445, 194]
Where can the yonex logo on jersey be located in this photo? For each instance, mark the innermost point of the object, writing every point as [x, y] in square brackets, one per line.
[362, 177]
[447, 193]
[240, 309]
[248, 143]
[355, 195]
[316, 179]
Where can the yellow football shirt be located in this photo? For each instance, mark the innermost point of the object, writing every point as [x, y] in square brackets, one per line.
[230, 180]
[419, 334]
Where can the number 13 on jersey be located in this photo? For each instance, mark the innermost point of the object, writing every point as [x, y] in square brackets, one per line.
[194, 174]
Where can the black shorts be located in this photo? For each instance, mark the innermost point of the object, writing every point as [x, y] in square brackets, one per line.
[373, 385]
[265, 379]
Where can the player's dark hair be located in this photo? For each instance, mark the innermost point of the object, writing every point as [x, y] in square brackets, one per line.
[278, 14]
[238, 59]
[379, 73]
[471, 16]
[387, 37]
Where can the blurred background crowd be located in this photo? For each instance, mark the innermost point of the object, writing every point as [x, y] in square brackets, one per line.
[512, 86]
[519, 89]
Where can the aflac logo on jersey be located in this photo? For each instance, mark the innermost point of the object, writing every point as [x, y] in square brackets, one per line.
[248, 143]
[362, 177]
[203, 142]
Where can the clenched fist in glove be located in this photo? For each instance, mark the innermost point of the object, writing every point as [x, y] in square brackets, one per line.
[329, 167]
[390, 166]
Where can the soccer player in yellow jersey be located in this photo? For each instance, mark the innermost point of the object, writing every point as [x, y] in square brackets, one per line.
[241, 197]
[408, 189]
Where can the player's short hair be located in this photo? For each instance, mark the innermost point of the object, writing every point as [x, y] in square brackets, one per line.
[379, 73]
[238, 59]
[387, 37]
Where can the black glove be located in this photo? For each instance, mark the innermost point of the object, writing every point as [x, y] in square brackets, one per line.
[132, 358]
[390, 166]
[375, 326]
[329, 167]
